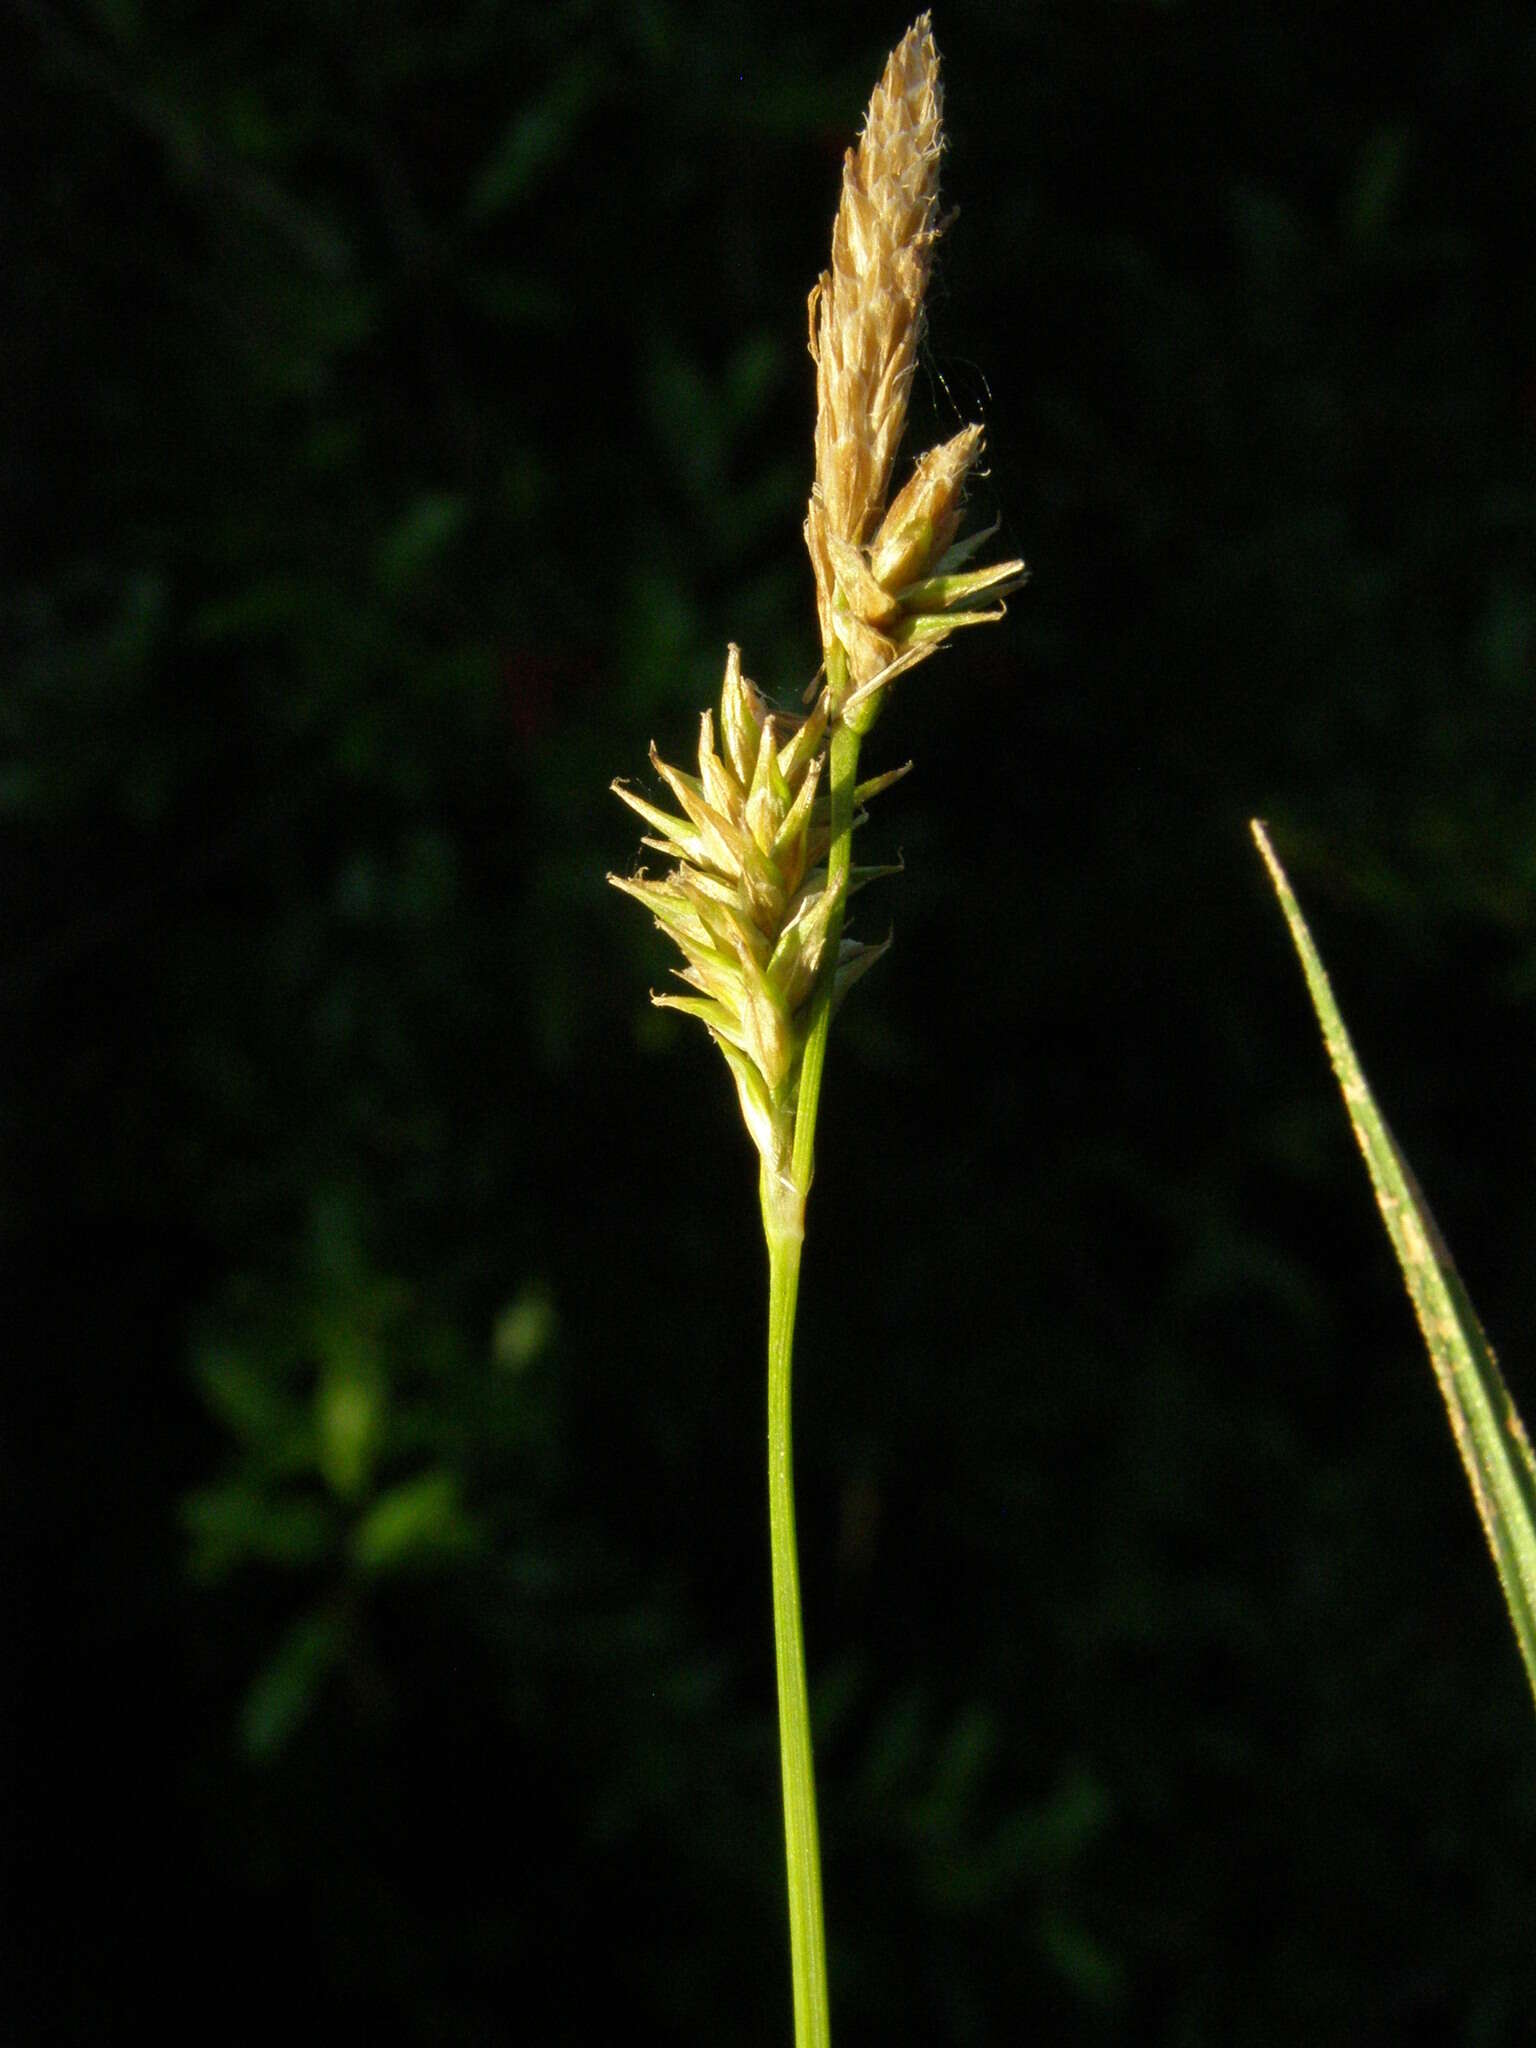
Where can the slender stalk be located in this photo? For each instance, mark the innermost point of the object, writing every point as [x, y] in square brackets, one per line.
[844, 778]
[802, 1852]
[784, 1228]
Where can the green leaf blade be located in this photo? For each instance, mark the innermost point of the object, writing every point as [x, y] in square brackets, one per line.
[1490, 1436]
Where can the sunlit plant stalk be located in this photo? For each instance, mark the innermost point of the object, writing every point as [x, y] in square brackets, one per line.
[764, 845]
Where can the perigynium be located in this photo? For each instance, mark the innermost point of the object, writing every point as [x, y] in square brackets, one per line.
[762, 839]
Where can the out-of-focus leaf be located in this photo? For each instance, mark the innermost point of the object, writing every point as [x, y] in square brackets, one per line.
[896, 1745]
[1505, 635]
[413, 546]
[1495, 1450]
[263, 605]
[524, 1329]
[122, 20]
[1050, 1838]
[1087, 1965]
[233, 1525]
[1378, 182]
[246, 1398]
[516, 300]
[419, 1519]
[284, 1694]
[536, 137]
[349, 1406]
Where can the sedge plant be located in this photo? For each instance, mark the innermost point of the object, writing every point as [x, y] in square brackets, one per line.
[761, 843]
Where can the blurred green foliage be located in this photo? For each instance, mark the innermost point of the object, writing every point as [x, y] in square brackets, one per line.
[401, 414]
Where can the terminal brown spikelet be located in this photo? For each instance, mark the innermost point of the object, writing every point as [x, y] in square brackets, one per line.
[888, 585]
[867, 309]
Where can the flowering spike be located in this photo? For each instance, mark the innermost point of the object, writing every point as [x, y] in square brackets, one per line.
[742, 903]
[866, 322]
[867, 310]
[762, 848]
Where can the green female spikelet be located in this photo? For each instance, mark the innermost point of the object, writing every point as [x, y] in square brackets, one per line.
[749, 902]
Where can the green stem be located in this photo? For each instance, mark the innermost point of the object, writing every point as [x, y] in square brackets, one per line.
[802, 1854]
[783, 1204]
[845, 776]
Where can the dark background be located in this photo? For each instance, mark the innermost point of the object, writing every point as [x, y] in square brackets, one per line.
[400, 410]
